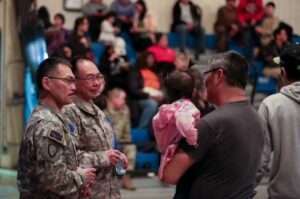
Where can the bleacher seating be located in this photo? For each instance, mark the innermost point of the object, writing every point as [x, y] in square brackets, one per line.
[144, 160]
[147, 161]
[98, 49]
[263, 84]
[139, 136]
[173, 39]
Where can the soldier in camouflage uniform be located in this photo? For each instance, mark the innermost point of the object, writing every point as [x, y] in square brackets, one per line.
[95, 135]
[48, 166]
[118, 114]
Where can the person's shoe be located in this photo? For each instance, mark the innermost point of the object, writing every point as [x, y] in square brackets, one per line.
[127, 183]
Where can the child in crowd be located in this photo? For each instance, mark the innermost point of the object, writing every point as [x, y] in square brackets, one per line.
[109, 33]
[152, 82]
[182, 61]
[176, 120]
[119, 116]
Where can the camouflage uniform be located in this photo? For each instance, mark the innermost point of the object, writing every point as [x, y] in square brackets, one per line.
[120, 120]
[47, 159]
[95, 136]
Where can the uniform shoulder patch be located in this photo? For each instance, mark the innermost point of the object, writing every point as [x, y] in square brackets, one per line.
[52, 150]
[56, 136]
[72, 129]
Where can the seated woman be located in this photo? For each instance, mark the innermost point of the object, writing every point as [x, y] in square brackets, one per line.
[56, 35]
[124, 10]
[267, 53]
[152, 82]
[164, 56]
[144, 91]
[115, 68]
[187, 17]
[79, 41]
[143, 28]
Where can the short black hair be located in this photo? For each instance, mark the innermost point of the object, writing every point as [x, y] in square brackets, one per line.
[61, 16]
[235, 67]
[290, 61]
[110, 14]
[46, 67]
[78, 22]
[159, 35]
[75, 62]
[145, 9]
[278, 30]
[179, 84]
[271, 3]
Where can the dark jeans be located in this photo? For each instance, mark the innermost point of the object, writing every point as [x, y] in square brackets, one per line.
[148, 110]
[199, 34]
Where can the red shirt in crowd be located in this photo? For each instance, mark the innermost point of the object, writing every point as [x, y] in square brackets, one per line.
[162, 54]
[249, 10]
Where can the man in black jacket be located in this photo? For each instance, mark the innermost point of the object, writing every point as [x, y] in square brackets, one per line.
[187, 19]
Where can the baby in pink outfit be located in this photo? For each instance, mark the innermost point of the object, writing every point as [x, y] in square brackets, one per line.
[177, 120]
[172, 123]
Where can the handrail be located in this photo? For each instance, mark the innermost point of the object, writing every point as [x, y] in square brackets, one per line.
[2, 80]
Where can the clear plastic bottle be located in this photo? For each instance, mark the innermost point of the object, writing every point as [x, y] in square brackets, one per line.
[120, 168]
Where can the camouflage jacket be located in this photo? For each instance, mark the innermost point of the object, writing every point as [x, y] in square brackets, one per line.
[47, 159]
[95, 136]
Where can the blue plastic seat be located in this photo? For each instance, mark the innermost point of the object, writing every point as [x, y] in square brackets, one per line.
[139, 136]
[265, 85]
[147, 161]
[173, 39]
[296, 39]
[98, 49]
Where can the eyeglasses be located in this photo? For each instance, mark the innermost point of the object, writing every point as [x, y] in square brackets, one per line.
[213, 70]
[67, 80]
[92, 77]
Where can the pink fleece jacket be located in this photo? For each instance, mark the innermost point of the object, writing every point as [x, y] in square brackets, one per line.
[172, 123]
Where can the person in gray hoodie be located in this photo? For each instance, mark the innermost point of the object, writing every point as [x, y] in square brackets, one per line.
[281, 114]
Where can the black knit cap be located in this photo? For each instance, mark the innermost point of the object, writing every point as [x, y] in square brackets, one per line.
[290, 60]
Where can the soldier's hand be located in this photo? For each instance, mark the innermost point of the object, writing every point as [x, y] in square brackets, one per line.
[86, 191]
[124, 160]
[89, 175]
[114, 156]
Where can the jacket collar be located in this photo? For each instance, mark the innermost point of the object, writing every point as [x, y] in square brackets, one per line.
[85, 106]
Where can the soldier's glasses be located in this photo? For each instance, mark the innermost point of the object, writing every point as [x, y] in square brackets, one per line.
[213, 70]
[68, 80]
[91, 77]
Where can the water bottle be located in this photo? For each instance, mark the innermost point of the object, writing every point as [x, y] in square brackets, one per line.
[120, 168]
[120, 165]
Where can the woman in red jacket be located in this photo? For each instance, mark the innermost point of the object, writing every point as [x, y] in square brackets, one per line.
[250, 13]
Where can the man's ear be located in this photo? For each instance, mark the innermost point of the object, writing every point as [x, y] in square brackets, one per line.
[46, 83]
[283, 77]
[220, 75]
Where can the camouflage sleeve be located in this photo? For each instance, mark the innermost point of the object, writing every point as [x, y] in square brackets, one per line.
[97, 159]
[127, 127]
[52, 154]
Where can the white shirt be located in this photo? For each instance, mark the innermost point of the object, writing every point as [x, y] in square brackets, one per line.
[186, 14]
